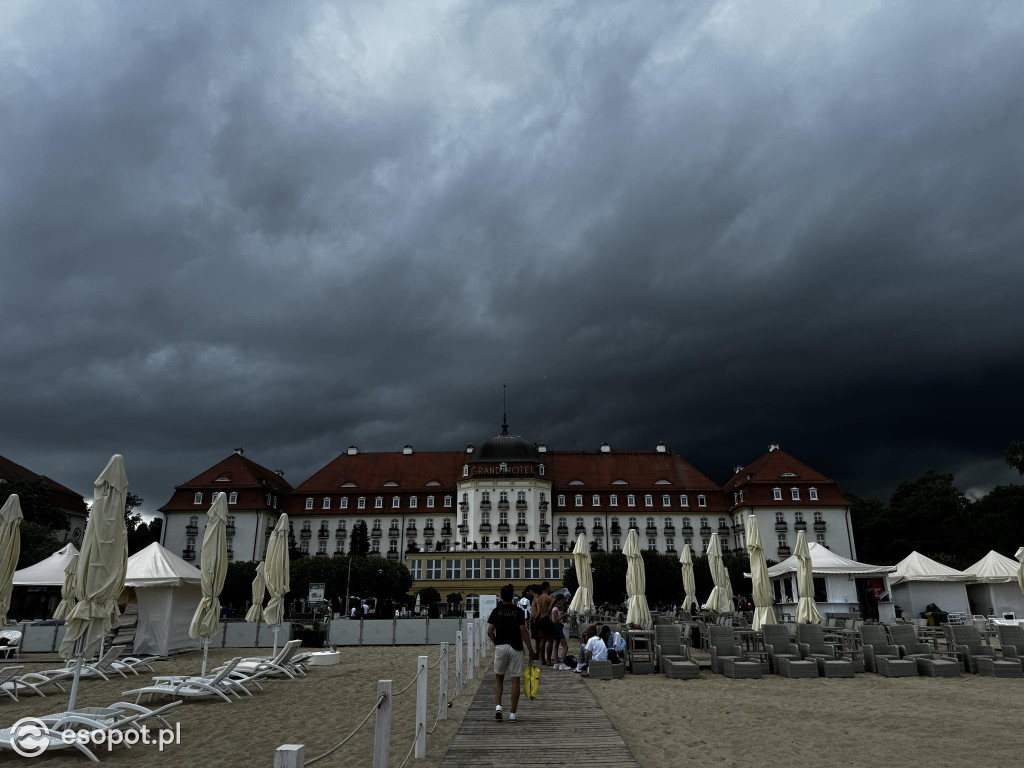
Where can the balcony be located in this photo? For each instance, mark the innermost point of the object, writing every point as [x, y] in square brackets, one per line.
[581, 529]
[340, 533]
[338, 552]
[463, 506]
[485, 527]
[784, 551]
[323, 533]
[634, 527]
[394, 532]
[670, 530]
[188, 554]
[686, 530]
[520, 505]
[305, 533]
[229, 529]
[543, 506]
[394, 555]
[781, 527]
[545, 527]
[503, 528]
[485, 505]
[446, 530]
[371, 553]
[376, 533]
[819, 525]
[522, 528]
[464, 528]
[503, 505]
[616, 529]
[652, 530]
[191, 530]
[599, 530]
[428, 530]
[800, 525]
[563, 530]
[705, 530]
[671, 551]
[723, 530]
[410, 530]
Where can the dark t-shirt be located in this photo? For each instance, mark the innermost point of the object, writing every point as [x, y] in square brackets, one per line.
[507, 620]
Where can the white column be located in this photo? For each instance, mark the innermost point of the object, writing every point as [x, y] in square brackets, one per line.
[420, 750]
[469, 651]
[458, 663]
[382, 726]
[442, 699]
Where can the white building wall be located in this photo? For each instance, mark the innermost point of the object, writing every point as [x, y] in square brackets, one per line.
[835, 534]
[913, 596]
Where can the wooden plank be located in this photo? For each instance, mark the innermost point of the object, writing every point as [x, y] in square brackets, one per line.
[581, 732]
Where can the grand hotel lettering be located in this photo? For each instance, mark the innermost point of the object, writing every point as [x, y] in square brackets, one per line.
[501, 469]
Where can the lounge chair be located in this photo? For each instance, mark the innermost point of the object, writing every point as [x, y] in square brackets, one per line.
[679, 666]
[668, 641]
[284, 663]
[100, 668]
[13, 644]
[7, 683]
[79, 719]
[194, 687]
[929, 662]
[722, 641]
[1011, 640]
[779, 645]
[981, 659]
[830, 658]
[875, 643]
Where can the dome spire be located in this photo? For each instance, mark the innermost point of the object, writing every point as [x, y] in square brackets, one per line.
[504, 408]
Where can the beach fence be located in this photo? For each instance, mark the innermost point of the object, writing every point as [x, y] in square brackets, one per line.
[473, 640]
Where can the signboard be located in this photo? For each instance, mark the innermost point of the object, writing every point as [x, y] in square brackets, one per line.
[316, 593]
[487, 604]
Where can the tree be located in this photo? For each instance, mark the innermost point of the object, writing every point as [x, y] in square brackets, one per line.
[929, 514]
[140, 533]
[1015, 455]
[429, 596]
[37, 543]
[42, 519]
[359, 544]
[871, 526]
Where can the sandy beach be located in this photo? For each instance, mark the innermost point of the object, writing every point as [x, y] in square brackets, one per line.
[870, 720]
[318, 710]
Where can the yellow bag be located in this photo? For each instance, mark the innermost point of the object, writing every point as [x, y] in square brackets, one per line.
[531, 680]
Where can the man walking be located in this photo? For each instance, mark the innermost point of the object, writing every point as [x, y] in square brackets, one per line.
[506, 628]
[541, 613]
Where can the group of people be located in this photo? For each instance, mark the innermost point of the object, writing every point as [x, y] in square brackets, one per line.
[544, 614]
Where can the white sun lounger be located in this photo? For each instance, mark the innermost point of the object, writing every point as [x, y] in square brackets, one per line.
[55, 742]
[194, 687]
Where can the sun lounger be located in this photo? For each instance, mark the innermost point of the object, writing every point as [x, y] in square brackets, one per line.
[100, 668]
[929, 662]
[282, 664]
[194, 687]
[981, 659]
[7, 684]
[723, 645]
[779, 645]
[830, 658]
[54, 741]
[13, 644]
[1011, 640]
[878, 651]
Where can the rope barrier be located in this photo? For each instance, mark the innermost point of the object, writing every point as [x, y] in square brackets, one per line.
[437, 719]
[340, 744]
[411, 748]
[410, 685]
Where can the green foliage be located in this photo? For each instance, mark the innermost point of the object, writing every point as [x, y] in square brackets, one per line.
[453, 598]
[34, 497]
[359, 543]
[429, 596]
[1015, 455]
[37, 543]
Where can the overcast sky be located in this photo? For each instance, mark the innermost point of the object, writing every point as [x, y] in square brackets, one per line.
[292, 227]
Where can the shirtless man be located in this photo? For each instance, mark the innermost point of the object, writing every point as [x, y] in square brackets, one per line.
[541, 613]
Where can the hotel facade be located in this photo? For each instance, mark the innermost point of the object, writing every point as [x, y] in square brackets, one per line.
[510, 510]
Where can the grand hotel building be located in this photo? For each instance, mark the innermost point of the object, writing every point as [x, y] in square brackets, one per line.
[509, 509]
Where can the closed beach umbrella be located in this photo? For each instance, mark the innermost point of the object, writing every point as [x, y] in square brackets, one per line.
[763, 613]
[720, 599]
[1020, 568]
[67, 591]
[689, 584]
[637, 611]
[259, 586]
[10, 550]
[213, 565]
[583, 600]
[101, 566]
[806, 610]
[275, 571]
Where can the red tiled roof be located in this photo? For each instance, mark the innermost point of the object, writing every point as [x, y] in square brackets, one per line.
[640, 469]
[370, 471]
[60, 495]
[244, 475]
[767, 472]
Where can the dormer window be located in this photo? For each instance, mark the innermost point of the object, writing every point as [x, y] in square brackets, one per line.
[503, 467]
[233, 497]
[540, 470]
[666, 500]
[789, 474]
[701, 501]
[579, 499]
[630, 500]
[309, 502]
[198, 498]
[395, 502]
[777, 494]
[648, 500]
[613, 500]
[361, 503]
[465, 470]
[561, 499]
[684, 500]
[447, 501]
[343, 504]
[413, 502]
[378, 502]
[813, 493]
[327, 503]
[595, 500]
[794, 494]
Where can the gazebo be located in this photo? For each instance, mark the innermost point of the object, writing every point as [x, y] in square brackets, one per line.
[919, 581]
[992, 587]
[842, 587]
[37, 587]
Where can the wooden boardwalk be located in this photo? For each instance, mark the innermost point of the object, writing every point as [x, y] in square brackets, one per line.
[565, 718]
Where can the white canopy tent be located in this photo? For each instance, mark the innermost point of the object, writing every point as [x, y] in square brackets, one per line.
[919, 581]
[992, 586]
[166, 589]
[839, 581]
[48, 572]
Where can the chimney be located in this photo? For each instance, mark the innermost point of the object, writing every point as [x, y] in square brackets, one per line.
[469, 448]
[605, 448]
[542, 448]
[407, 450]
[773, 447]
[660, 447]
[737, 469]
[280, 472]
[240, 451]
[352, 450]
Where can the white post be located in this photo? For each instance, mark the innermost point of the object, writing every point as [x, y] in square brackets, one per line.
[469, 652]
[458, 663]
[382, 726]
[206, 651]
[290, 756]
[442, 700]
[420, 750]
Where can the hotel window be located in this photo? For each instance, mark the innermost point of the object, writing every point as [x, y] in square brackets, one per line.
[433, 569]
[597, 522]
[522, 517]
[670, 543]
[652, 544]
[304, 548]
[552, 567]
[190, 543]
[688, 541]
[531, 568]
[198, 498]
[233, 497]
[448, 501]
[503, 517]
[321, 548]
[686, 522]
[613, 500]
[453, 569]
[512, 568]
[561, 499]
[413, 502]
[193, 520]
[579, 499]
[630, 500]
[378, 502]
[393, 546]
[821, 539]
[563, 544]
[798, 517]
[632, 523]
[579, 522]
[648, 500]
[650, 522]
[616, 546]
[812, 493]
[326, 502]
[780, 517]
[794, 494]
[492, 568]
[428, 523]
[344, 502]
[485, 497]
[473, 568]
[777, 494]
[394, 523]
[309, 502]
[521, 496]
[465, 470]
[666, 500]
[485, 542]
[395, 501]
[266, 499]
[542, 469]
[503, 496]
[485, 518]
[684, 500]
[595, 500]
[563, 522]
[782, 541]
[668, 522]
[707, 543]
[521, 541]
[361, 502]
[701, 501]
[817, 517]
[306, 525]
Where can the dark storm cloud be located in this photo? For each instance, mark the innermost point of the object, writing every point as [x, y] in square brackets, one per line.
[298, 227]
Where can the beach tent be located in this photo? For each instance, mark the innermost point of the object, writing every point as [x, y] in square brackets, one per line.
[166, 590]
[48, 572]
[992, 586]
[919, 581]
[839, 580]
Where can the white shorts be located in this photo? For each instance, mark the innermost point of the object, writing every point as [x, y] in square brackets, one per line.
[508, 661]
